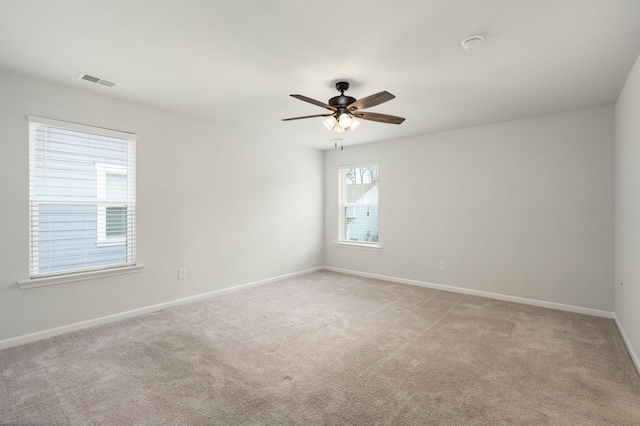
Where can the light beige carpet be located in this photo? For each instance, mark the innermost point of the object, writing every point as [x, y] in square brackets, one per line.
[327, 348]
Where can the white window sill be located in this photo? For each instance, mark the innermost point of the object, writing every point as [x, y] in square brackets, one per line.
[363, 246]
[80, 276]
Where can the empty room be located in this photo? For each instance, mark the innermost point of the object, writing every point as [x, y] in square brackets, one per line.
[302, 213]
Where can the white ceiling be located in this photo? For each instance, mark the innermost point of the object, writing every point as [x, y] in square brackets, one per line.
[237, 61]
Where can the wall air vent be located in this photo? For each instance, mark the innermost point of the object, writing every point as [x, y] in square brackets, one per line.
[97, 80]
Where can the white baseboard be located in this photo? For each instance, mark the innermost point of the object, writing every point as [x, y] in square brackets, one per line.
[39, 335]
[627, 342]
[497, 296]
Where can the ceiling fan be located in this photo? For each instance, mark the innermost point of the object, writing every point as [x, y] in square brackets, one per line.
[345, 110]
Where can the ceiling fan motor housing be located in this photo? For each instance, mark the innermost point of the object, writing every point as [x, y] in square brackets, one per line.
[341, 101]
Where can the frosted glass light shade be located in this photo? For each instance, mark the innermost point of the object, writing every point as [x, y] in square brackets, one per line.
[339, 130]
[330, 122]
[354, 124]
[344, 120]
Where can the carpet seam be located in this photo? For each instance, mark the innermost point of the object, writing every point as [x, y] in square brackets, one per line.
[410, 340]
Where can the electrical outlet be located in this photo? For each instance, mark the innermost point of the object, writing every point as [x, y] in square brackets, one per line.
[182, 274]
[443, 266]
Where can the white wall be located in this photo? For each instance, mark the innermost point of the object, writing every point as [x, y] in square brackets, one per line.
[627, 269]
[231, 208]
[523, 208]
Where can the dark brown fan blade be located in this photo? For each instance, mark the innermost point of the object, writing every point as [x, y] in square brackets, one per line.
[313, 101]
[382, 118]
[306, 116]
[371, 101]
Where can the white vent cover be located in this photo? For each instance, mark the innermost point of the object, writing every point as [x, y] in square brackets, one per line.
[97, 80]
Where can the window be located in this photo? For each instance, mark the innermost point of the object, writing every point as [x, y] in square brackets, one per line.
[358, 204]
[81, 198]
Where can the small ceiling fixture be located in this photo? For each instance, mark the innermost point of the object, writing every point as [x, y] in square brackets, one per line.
[472, 42]
[346, 109]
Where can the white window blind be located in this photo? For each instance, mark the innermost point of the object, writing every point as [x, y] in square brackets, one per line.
[358, 203]
[82, 198]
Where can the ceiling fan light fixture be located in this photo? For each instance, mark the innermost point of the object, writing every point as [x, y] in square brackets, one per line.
[344, 110]
[330, 122]
[344, 120]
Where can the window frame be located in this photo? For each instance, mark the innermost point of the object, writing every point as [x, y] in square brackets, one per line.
[102, 170]
[36, 278]
[342, 206]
